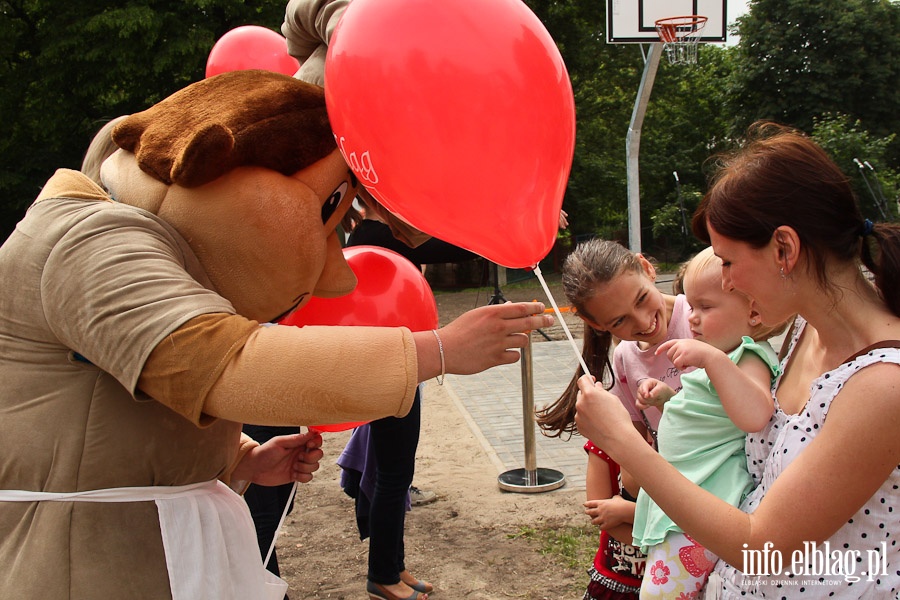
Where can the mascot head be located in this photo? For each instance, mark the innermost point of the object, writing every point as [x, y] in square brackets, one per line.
[245, 167]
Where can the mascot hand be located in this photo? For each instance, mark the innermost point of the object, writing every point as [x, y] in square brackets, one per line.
[480, 339]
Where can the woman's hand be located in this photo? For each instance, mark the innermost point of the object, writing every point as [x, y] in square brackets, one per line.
[282, 459]
[601, 418]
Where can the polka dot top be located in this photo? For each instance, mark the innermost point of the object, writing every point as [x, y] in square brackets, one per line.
[868, 545]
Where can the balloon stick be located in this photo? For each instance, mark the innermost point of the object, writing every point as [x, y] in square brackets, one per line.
[280, 523]
[540, 276]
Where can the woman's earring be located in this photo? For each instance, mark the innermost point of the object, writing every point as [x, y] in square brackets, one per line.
[783, 276]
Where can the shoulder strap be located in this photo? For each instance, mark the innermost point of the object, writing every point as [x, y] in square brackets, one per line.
[875, 346]
[782, 352]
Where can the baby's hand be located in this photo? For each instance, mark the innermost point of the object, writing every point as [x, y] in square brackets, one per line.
[688, 353]
[652, 392]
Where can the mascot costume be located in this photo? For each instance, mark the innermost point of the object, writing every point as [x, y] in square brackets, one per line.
[132, 344]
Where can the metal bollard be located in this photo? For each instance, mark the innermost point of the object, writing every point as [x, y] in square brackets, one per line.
[531, 479]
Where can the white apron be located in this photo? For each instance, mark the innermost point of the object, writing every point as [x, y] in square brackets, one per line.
[207, 533]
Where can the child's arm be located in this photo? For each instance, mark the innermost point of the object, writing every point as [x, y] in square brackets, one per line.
[608, 511]
[745, 389]
[629, 483]
[652, 392]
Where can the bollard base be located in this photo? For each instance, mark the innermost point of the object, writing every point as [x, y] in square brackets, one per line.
[530, 482]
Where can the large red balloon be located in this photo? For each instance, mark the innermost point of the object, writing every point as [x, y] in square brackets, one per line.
[457, 115]
[250, 47]
[391, 292]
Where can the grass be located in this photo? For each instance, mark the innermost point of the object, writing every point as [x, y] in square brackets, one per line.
[572, 546]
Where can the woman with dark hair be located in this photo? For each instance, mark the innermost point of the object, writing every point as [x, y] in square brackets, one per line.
[821, 521]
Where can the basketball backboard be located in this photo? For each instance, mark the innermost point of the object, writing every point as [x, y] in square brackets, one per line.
[634, 21]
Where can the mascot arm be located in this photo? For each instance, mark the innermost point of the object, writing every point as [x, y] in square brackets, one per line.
[317, 375]
[183, 367]
[224, 366]
[307, 27]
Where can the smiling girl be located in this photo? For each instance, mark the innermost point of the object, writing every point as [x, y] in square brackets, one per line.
[612, 290]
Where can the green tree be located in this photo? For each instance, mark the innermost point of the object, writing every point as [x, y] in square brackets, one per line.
[686, 124]
[67, 67]
[861, 156]
[801, 59]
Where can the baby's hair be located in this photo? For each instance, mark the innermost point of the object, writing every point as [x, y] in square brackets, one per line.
[591, 264]
[706, 261]
[678, 281]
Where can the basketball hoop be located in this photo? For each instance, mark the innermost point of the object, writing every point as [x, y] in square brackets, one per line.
[681, 36]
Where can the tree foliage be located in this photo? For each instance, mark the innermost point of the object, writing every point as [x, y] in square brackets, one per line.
[802, 59]
[68, 67]
[862, 158]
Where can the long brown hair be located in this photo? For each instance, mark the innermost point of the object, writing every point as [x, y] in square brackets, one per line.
[591, 264]
[781, 177]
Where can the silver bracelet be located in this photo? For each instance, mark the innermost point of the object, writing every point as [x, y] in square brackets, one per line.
[440, 379]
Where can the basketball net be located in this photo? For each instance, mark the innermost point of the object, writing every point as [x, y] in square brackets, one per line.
[681, 36]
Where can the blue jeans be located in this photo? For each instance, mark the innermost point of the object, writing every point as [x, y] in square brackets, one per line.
[394, 442]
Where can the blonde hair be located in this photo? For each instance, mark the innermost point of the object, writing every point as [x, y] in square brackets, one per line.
[678, 280]
[705, 262]
[100, 148]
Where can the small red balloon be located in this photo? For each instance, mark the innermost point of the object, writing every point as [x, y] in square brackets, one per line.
[336, 427]
[391, 292]
[251, 47]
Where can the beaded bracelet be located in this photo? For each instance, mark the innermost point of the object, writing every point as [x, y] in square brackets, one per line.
[440, 379]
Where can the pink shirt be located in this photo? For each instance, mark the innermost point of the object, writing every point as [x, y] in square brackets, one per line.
[631, 365]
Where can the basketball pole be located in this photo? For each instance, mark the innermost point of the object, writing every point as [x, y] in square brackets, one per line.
[633, 146]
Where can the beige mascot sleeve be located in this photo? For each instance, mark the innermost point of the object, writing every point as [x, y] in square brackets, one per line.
[228, 367]
[308, 25]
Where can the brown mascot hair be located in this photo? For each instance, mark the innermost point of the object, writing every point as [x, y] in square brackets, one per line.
[239, 118]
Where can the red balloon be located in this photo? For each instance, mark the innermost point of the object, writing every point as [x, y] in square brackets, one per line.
[251, 47]
[391, 292]
[337, 426]
[457, 115]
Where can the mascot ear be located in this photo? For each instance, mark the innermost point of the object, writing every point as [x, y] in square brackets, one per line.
[205, 157]
[127, 133]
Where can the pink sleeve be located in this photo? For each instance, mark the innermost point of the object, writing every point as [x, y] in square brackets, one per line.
[620, 387]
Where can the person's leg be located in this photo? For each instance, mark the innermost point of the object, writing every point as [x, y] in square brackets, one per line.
[394, 442]
[677, 567]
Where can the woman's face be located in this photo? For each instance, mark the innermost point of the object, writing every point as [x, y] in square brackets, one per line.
[753, 272]
[629, 307]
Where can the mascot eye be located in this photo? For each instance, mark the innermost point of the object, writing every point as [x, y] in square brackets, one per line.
[333, 201]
